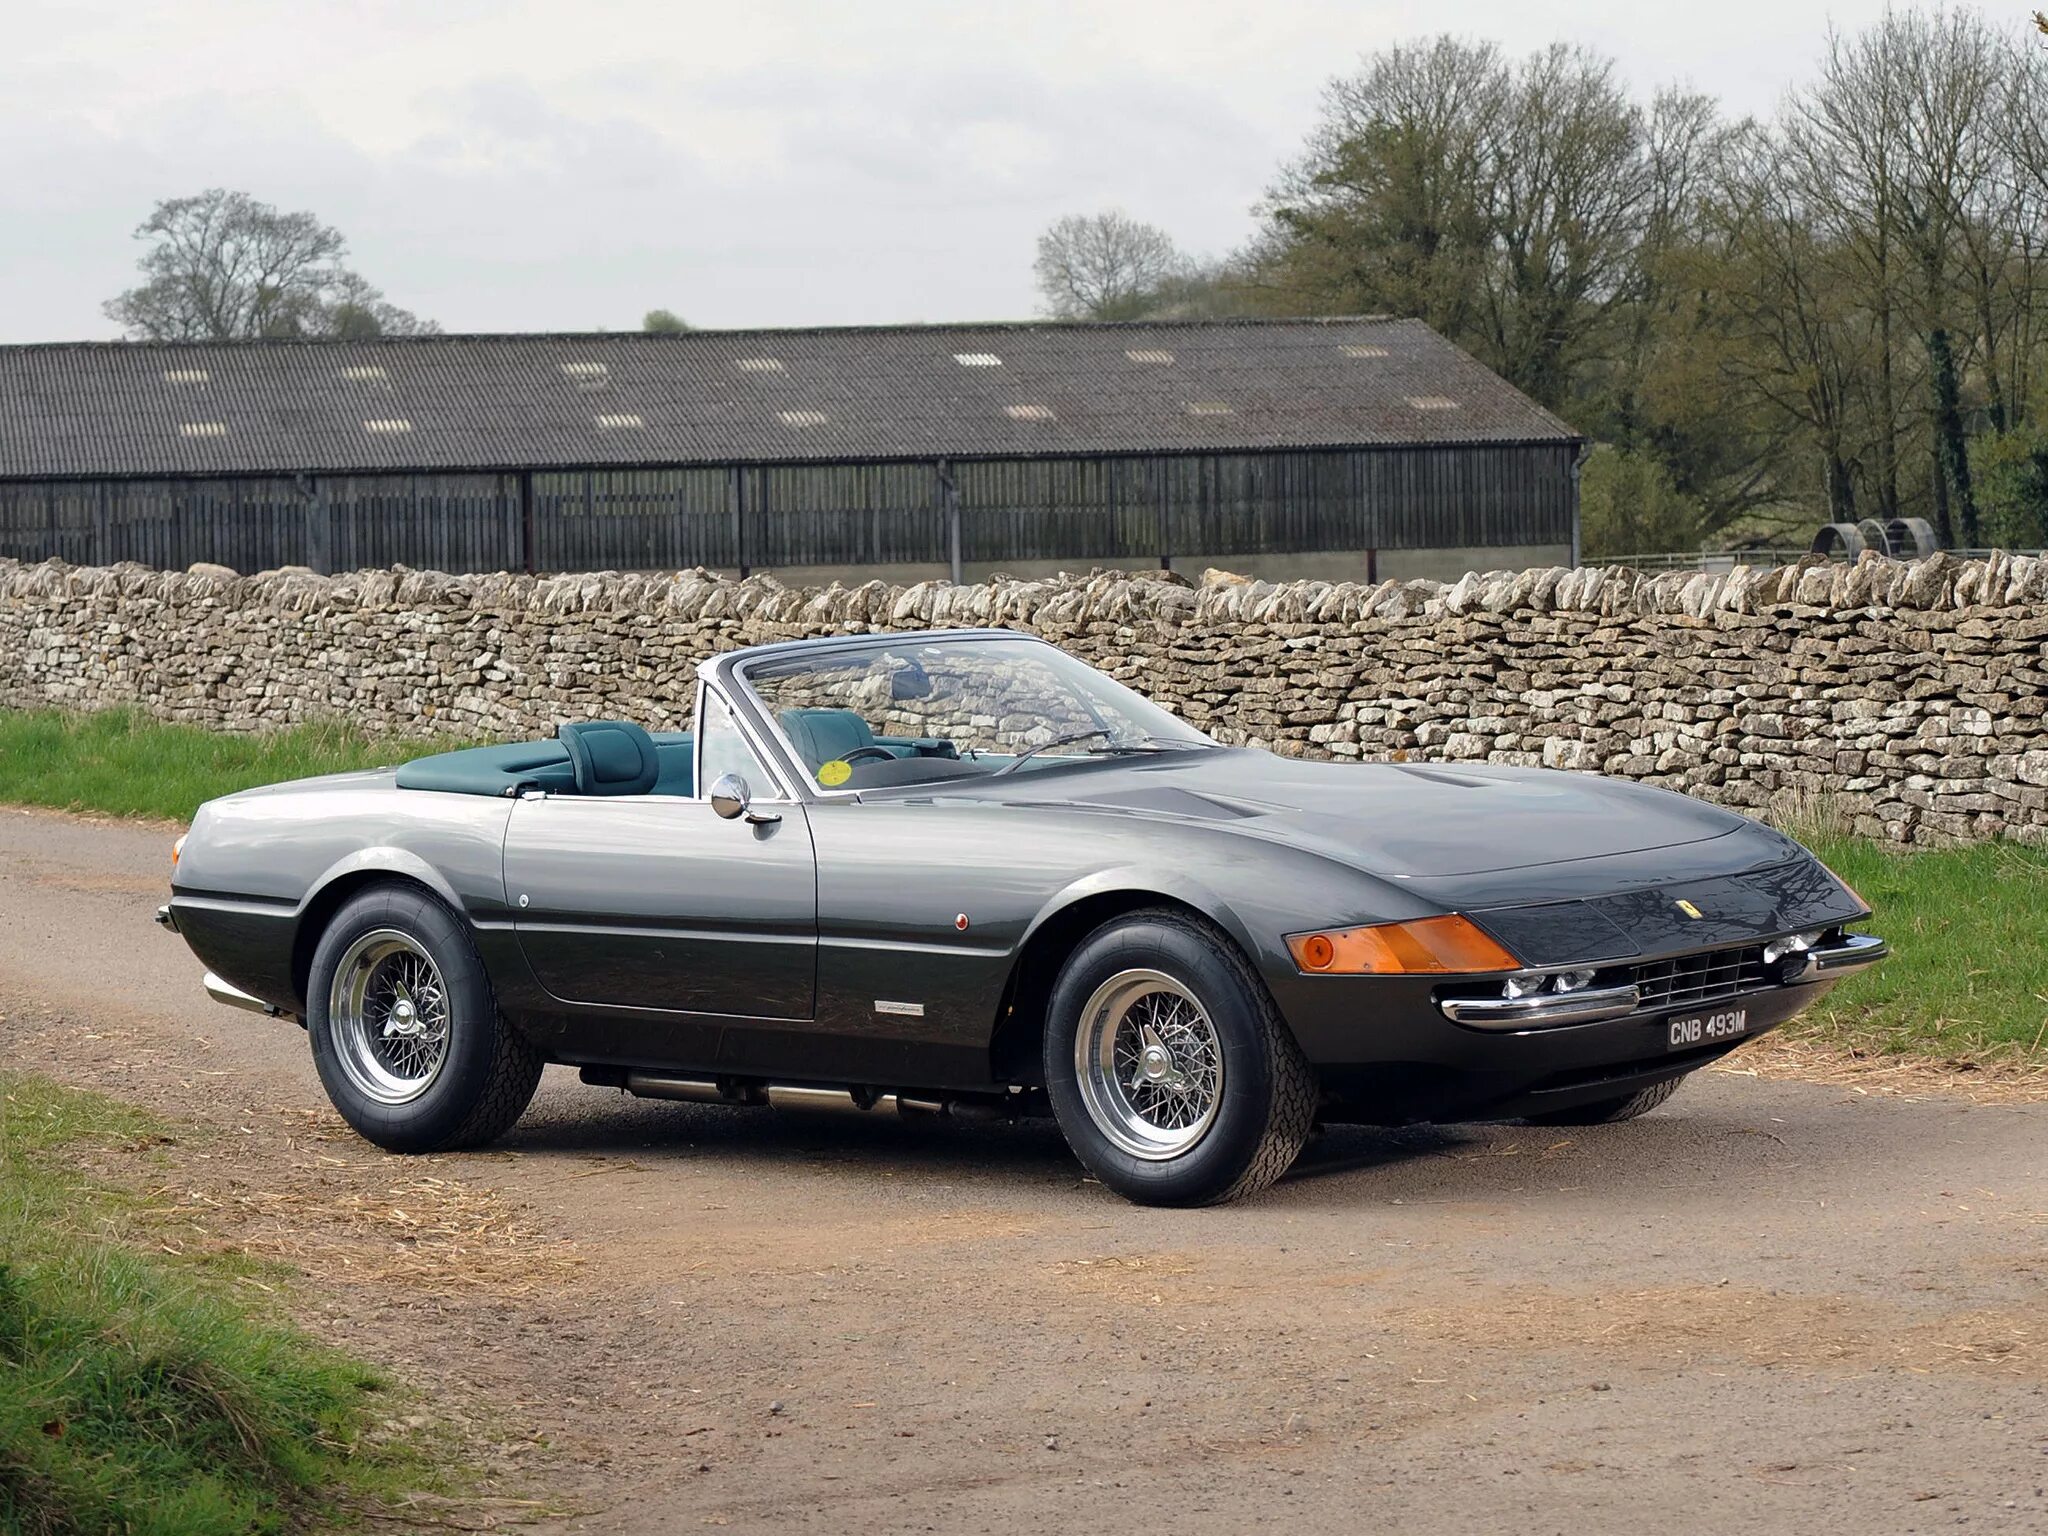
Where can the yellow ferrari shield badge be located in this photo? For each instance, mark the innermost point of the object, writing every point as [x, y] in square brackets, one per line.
[834, 773]
[1684, 906]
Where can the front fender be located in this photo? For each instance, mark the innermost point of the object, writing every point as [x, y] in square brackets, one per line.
[1169, 883]
[1256, 890]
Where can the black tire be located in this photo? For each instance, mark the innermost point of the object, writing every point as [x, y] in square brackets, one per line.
[489, 1071]
[1268, 1094]
[1608, 1111]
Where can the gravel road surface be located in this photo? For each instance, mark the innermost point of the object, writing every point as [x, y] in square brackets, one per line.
[1770, 1306]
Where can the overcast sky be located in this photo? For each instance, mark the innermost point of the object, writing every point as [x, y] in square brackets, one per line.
[554, 166]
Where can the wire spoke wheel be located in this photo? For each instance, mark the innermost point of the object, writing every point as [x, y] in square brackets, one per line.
[388, 1012]
[1149, 1064]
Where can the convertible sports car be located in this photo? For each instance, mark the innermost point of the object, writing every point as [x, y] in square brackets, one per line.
[961, 873]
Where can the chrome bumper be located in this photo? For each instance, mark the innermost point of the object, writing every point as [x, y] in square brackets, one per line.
[222, 992]
[166, 918]
[1849, 954]
[1542, 1010]
[1853, 952]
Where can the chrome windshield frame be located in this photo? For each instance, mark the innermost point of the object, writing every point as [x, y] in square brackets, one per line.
[728, 673]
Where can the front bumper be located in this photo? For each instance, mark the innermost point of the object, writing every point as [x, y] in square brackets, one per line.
[1840, 956]
[1387, 1053]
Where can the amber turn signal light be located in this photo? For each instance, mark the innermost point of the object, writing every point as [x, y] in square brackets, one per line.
[1429, 946]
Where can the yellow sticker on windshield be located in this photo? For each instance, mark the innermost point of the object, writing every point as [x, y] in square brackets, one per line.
[835, 773]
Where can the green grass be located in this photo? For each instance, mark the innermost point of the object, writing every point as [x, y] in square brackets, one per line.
[122, 763]
[142, 1395]
[1968, 977]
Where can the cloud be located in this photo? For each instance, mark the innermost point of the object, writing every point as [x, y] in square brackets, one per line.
[528, 165]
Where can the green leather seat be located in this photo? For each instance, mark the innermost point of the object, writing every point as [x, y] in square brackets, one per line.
[610, 757]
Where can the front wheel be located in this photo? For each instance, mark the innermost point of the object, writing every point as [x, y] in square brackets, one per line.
[406, 1033]
[1170, 1071]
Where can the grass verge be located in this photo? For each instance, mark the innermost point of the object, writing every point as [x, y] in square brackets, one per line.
[122, 763]
[143, 1395]
[1968, 977]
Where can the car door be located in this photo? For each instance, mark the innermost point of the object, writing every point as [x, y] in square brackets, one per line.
[654, 902]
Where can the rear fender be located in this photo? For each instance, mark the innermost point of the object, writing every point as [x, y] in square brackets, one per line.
[366, 864]
[341, 880]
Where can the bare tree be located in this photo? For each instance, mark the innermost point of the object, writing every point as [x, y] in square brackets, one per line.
[1806, 341]
[223, 266]
[1569, 209]
[1900, 142]
[1501, 203]
[1106, 266]
[1389, 206]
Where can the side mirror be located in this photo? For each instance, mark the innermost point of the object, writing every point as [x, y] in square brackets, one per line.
[730, 799]
[729, 796]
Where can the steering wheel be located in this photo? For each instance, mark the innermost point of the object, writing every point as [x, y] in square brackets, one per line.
[861, 752]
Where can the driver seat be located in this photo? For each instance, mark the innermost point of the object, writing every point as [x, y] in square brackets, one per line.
[820, 735]
[610, 757]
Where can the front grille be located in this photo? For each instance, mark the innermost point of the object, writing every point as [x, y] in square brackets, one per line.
[1701, 978]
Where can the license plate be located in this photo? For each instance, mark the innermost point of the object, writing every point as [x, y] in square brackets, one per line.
[1697, 1029]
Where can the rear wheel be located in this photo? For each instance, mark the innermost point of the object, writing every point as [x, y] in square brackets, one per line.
[1608, 1111]
[405, 1030]
[1169, 1069]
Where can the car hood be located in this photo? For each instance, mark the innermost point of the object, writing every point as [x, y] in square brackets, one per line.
[1403, 821]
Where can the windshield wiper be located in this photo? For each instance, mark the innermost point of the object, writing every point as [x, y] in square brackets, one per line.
[1057, 741]
[1159, 744]
[1133, 744]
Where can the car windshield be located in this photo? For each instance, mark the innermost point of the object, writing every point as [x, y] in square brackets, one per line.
[913, 712]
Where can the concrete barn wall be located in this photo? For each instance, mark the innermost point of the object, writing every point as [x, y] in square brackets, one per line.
[1911, 693]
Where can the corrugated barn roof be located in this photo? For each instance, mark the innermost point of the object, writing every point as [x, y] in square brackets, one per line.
[111, 409]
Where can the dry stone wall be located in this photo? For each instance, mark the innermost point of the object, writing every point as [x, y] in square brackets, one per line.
[1912, 694]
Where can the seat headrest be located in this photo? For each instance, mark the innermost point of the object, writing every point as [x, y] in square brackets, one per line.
[610, 757]
[823, 734]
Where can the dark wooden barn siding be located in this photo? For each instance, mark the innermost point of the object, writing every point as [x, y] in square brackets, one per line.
[763, 517]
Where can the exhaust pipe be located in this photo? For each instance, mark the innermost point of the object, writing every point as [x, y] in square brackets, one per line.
[652, 1085]
[967, 1111]
[226, 992]
[821, 1098]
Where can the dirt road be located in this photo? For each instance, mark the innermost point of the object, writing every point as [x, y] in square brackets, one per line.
[1769, 1307]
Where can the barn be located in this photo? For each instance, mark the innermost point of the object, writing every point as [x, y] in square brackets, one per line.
[1330, 447]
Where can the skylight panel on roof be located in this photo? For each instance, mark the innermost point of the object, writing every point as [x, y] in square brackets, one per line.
[586, 376]
[386, 426]
[202, 429]
[186, 376]
[1359, 349]
[758, 364]
[1028, 412]
[1433, 402]
[1207, 408]
[619, 423]
[368, 373]
[977, 360]
[803, 418]
[1156, 355]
